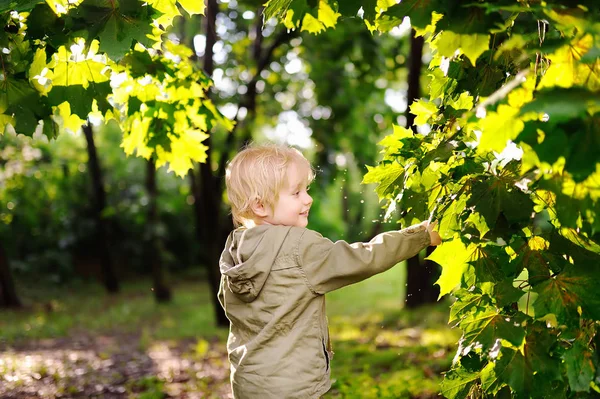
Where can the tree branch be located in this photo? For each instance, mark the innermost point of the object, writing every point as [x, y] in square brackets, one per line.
[262, 60]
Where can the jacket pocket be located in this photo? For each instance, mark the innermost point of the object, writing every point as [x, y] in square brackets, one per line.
[326, 355]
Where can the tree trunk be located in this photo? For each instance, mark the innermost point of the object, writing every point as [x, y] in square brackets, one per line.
[103, 247]
[8, 293]
[208, 185]
[420, 275]
[414, 76]
[162, 293]
[208, 212]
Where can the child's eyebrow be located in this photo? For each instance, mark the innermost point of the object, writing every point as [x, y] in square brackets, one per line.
[298, 186]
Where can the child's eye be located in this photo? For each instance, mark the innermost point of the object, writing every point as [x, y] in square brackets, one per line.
[297, 193]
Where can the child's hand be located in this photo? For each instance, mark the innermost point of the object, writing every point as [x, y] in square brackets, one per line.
[433, 235]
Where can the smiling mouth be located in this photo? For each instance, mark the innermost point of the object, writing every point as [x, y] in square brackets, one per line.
[305, 213]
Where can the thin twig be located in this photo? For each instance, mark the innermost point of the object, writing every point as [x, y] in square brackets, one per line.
[504, 90]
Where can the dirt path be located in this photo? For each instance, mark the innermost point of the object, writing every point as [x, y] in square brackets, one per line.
[113, 366]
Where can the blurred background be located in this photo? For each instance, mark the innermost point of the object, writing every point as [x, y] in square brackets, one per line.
[104, 253]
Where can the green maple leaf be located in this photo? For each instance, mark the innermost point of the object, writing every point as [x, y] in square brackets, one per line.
[386, 175]
[469, 19]
[526, 370]
[498, 127]
[505, 293]
[537, 264]
[23, 102]
[440, 85]
[276, 8]
[465, 302]
[81, 99]
[494, 195]
[464, 101]
[368, 7]
[580, 363]
[562, 104]
[570, 289]
[19, 6]
[419, 11]
[458, 382]
[454, 257]
[423, 111]
[450, 221]
[584, 145]
[192, 6]
[488, 261]
[485, 326]
[118, 24]
[349, 8]
[472, 45]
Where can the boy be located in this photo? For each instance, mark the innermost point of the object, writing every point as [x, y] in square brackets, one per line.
[275, 274]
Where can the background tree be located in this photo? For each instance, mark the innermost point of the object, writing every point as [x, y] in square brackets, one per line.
[155, 251]
[8, 292]
[421, 274]
[102, 248]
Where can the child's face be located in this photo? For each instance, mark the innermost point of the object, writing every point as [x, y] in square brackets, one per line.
[294, 202]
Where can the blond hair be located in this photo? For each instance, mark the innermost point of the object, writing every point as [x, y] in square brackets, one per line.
[256, 175]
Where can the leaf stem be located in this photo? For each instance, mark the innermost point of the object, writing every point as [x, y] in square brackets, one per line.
[504, 90]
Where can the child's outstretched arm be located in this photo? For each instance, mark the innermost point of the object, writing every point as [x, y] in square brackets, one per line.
[329, 266]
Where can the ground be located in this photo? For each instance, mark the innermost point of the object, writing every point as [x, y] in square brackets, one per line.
[85, 344]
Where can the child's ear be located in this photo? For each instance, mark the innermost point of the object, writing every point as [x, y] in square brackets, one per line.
[259, 209]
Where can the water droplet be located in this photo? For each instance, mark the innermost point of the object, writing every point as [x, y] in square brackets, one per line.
[362, 201]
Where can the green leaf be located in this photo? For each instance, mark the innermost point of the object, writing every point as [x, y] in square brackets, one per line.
[563, 294]
[440, 85]
[490, 383]
[562, 104]
[423, 111]
[464, 101]
[527, 369]
[487, 325]
[24, 103]
[276, 8]
[450, 221]
[505, 293]
[458, 382]
[499, 127]
[385, 175]
[465, 302]
[580, 363]
[494, 195]
[118, 25]
[18, 5]
[395, 141]
[419, 11]
[349, 8]
[470, 19]
[453, 256]
[192, 6]
[487, 261]
[471, 45]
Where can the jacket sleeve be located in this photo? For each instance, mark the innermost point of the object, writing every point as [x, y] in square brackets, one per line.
[329, 265]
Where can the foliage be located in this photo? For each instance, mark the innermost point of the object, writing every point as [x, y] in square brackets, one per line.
[510, 168]
[46, 218]
[65, 62]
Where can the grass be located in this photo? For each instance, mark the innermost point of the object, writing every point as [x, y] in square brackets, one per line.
[381, 350]
[87, 307]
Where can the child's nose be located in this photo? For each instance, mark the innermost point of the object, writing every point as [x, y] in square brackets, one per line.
[308, 200]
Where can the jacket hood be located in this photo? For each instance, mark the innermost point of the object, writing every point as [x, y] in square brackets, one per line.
[248, 256]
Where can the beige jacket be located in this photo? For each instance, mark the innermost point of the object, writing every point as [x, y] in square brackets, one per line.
[272, 289]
